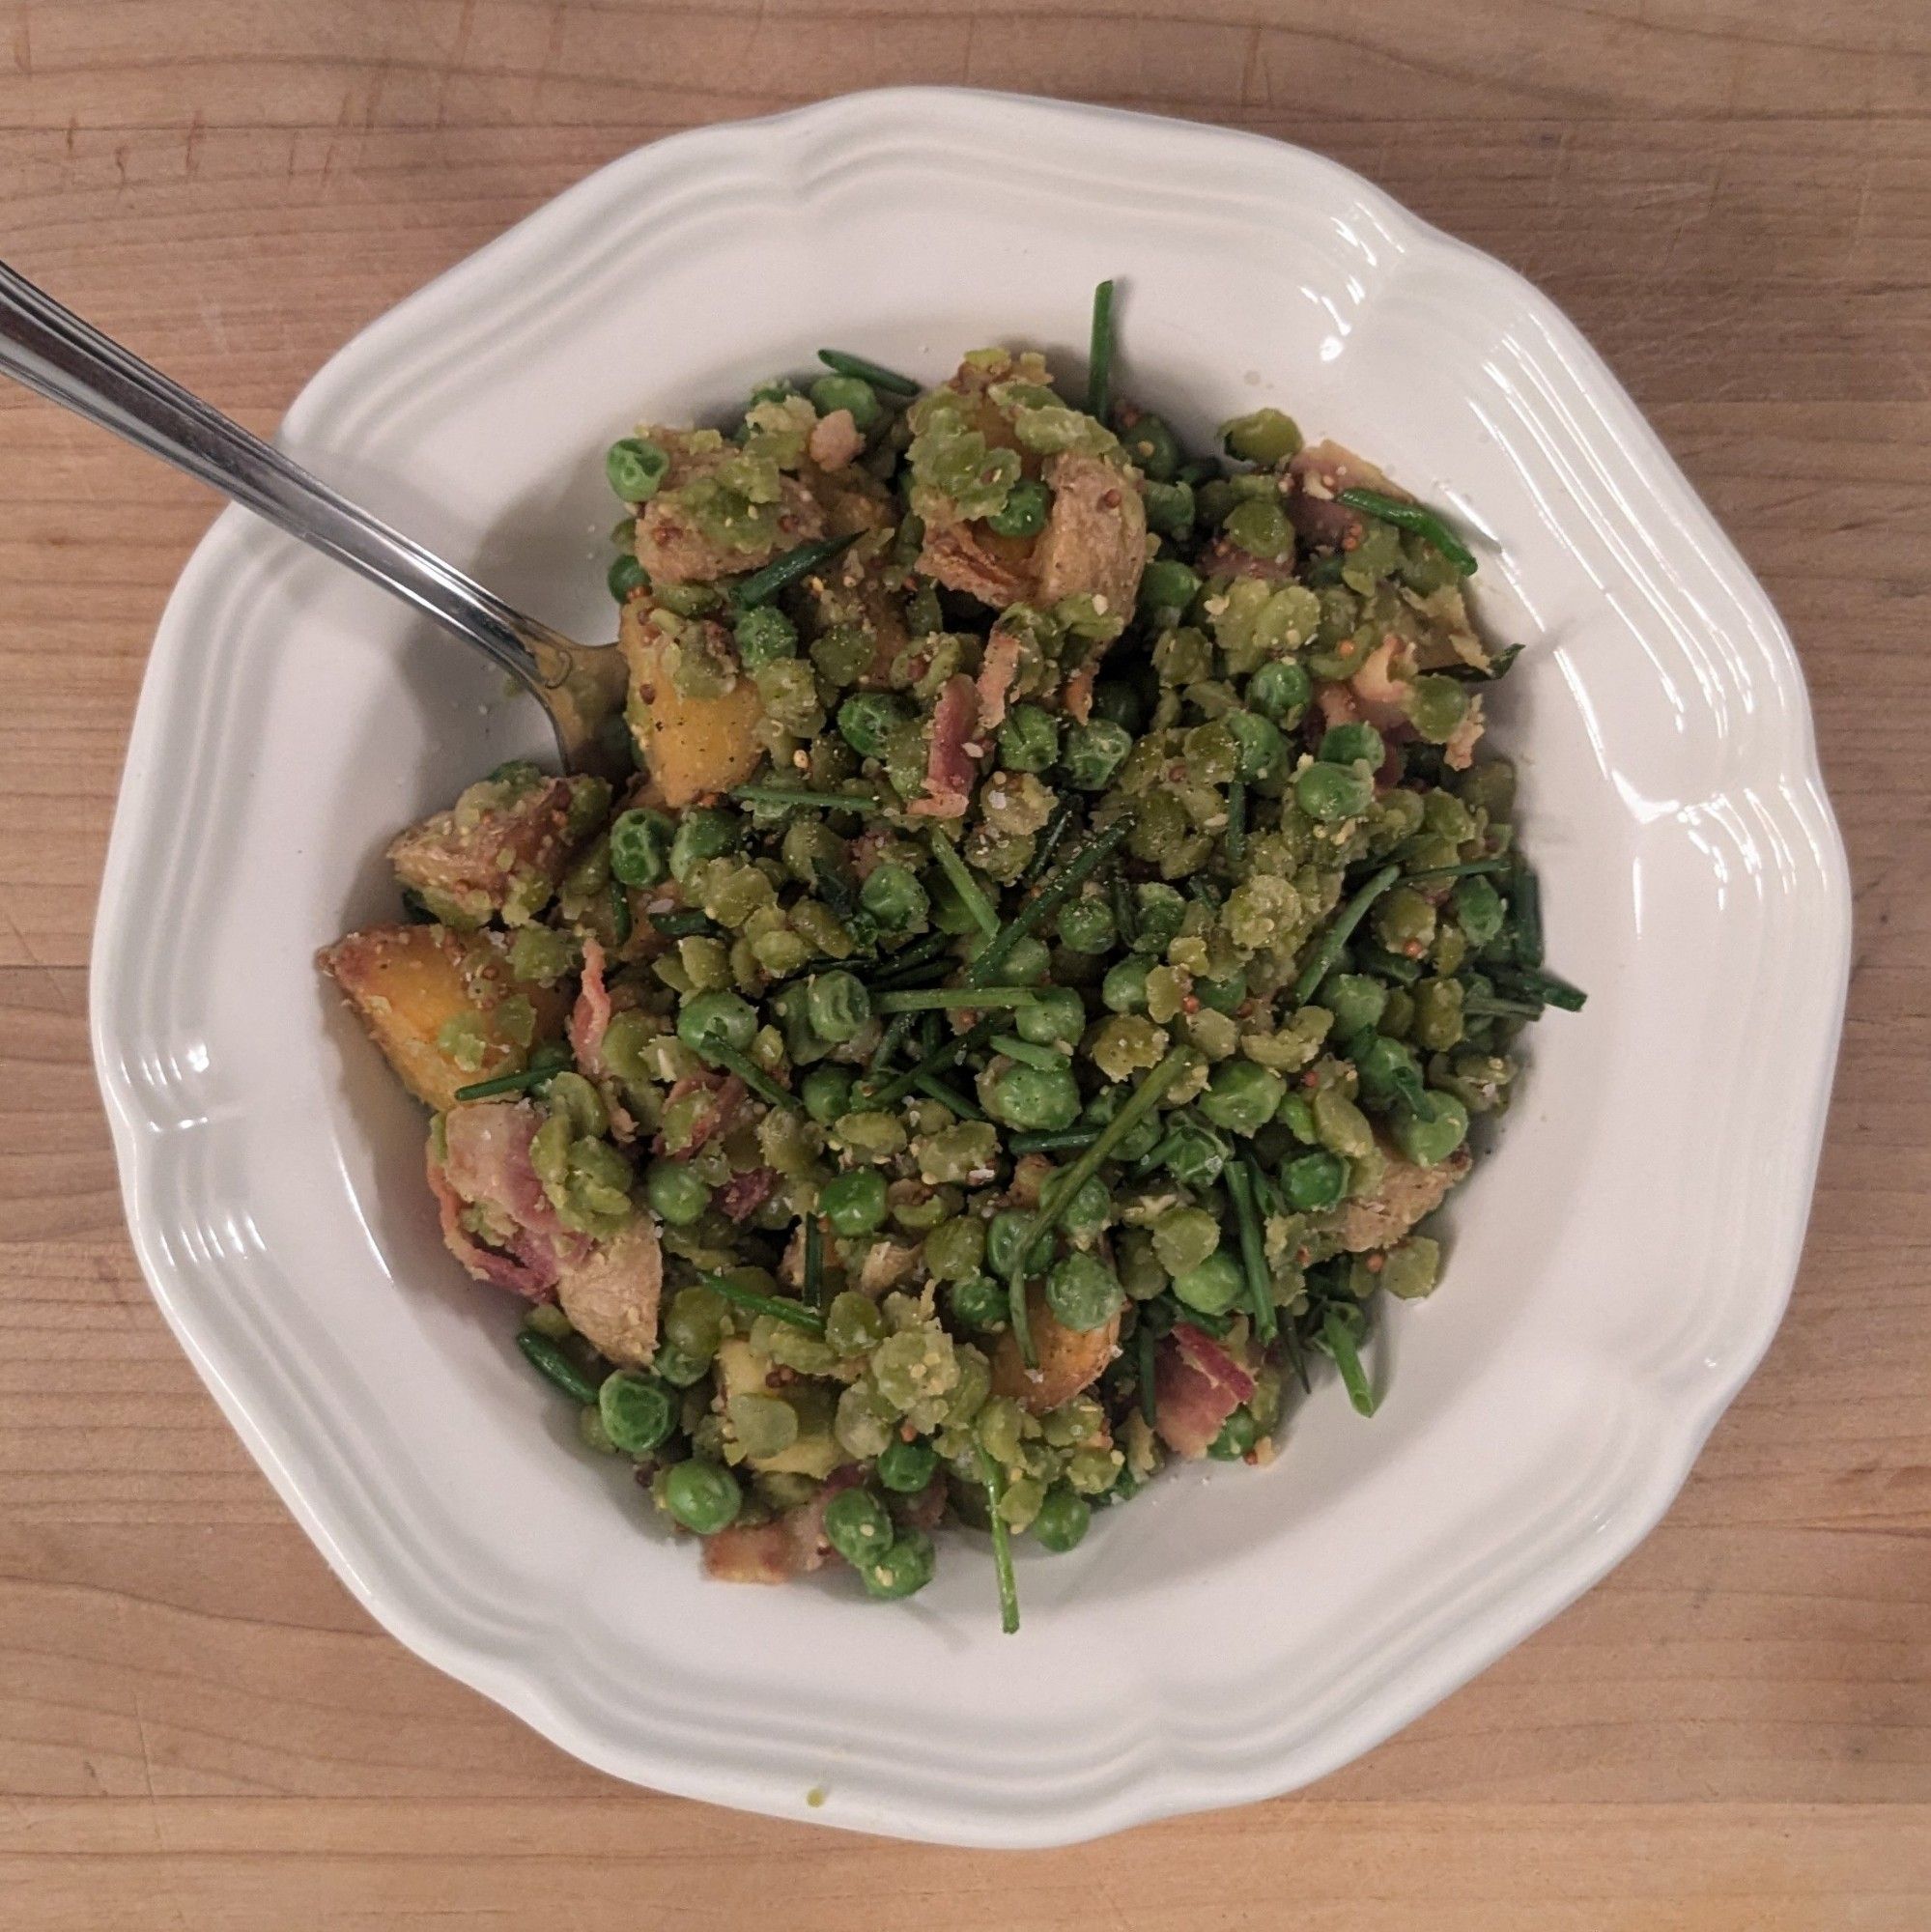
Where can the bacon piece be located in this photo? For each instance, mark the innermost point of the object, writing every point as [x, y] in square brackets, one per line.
[486, 1167]
[835, 440]
[949, 769]
[589, 1021]
[610, 1295]
[774, 1553]
[743, 1194]
[1323, 471]
[996, 673]
[530, 1278]
[1095, 542]
[1196, 1385]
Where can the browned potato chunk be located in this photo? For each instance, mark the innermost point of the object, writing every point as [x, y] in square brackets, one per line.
[1071, 1360]
[611, 1298]
[692, 745]
[443, 1006]
[501, 847]
[1407, 1193]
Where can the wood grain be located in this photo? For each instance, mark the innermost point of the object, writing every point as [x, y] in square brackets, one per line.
[199, 1728]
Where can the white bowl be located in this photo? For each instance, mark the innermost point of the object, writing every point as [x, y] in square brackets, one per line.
[1618, 1266]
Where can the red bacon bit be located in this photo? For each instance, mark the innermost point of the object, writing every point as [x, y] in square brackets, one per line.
[996, 675]
[949, 771]
[591, 1016]
[743, 1194]
[1196, 1385]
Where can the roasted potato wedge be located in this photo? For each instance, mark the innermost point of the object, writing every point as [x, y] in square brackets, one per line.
[692, 746]
[1071, 1360]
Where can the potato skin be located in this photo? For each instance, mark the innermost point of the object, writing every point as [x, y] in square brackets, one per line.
[1071, 1360]
[406, 983]
[692, 746]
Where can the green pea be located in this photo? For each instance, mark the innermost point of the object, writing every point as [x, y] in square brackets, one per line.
[1266, 437]
[1214, 1287]
[626, 577]
[894, 897]
[1003, 1235]
[868, 720]
[831, 394]
[1405, 920]
[1094, 752]
[1124, 990]
[1343, 744]
[641, 843]
[1083, 1291]
[978, 1303]
[1436, 706]
[765, 636]
[1342, 1126]
[1184, 1237]
[1153, 449]
[1063, 1520]
[1387, 1070]
[1241, 1096]
[1478, 909]
[907, 1468]
[635, 1411]
[1170, 509]
[696, 1321]
[1024, 512]
[703, 1496]
[1089, 1211]
[843, 652]
[1438, 1022]
[1167, 587]
[1282, 690]
[1427, 1143]
[1313, 1181]
[1409, 1271]
[676, 1193]
[853, 1323]
[1491, 788]
[854, 1203]
[716, 1019]
[1262, 750]
[674, 1366]
[1029, 739]
[702, 835]
[902, 1570]
[1195, 1156]
[1027, 963]
[1056, 1018]
[1354, 1000]
[1035, 1099]
[1260, 527]
[1332, 793]
[1116, 700]
[827, 1093]
[858, 1527]
[1237, 1435]
[1086, 925]
[1159, 913]
[955, 1249]
[837, 1004]
[636, 468]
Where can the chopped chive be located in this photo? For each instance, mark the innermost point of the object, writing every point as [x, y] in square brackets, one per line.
[1100, 355]
[1059, 1139]
[688, 924]
[1235, 835]
[1050, 897]
[1141, 1102]
[1498, 667]
[543, 1065]
[814, 1263]
[805, 797]
[556, 1367]
[1046, 1058]
[1125, 920]
[1239, 1180]
[937, 1061]
[1475, 869]
[780, 1308]
[1144, 1340]
[876, 374]
[1525, 906]
[965, 884]
[1002, 1543]
[621, 923]
[1327, 948]
[939, 999]
[1051, 838]
[1486, 1006]
[890, 1042]
[750, 1073]
[762, 585]
[1534, 983]
[1414, 518]
[929, 952]
[1337, 1339]
[935, 1089]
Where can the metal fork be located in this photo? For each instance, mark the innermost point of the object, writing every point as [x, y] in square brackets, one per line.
[53, 352]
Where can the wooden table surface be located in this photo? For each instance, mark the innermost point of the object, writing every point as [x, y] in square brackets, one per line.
[197, 1725]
